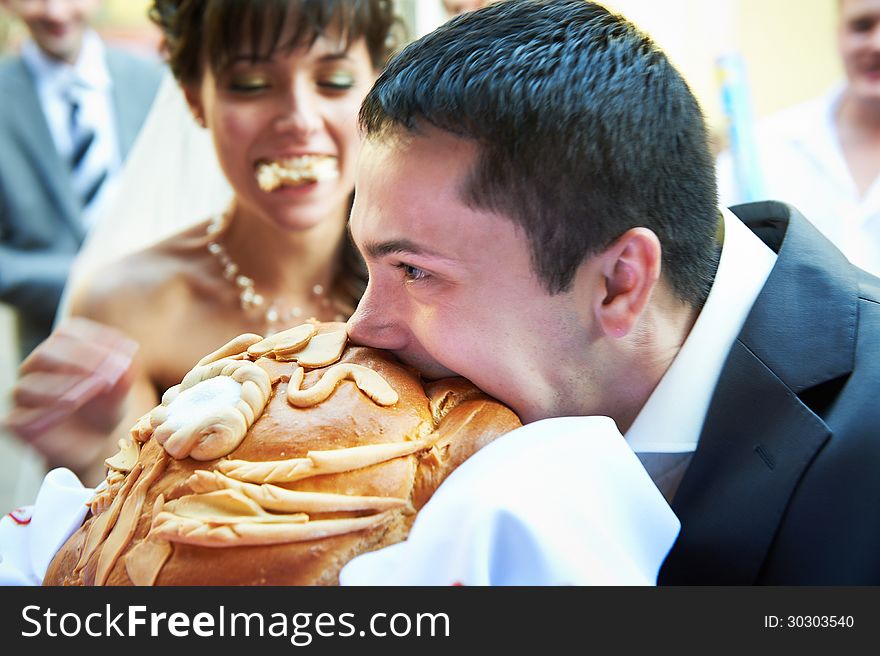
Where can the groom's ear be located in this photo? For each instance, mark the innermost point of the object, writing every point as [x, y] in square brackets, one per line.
[628, 271]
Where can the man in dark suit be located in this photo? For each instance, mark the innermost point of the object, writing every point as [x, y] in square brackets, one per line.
[72, 108]
[536, 204]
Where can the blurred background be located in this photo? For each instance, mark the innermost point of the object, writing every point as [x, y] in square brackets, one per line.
[764, 54]
[121, 22]
[788, 46]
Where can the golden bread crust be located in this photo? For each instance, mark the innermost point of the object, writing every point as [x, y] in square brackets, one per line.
[449, 420]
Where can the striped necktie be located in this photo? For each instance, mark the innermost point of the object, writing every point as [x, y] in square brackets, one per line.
[88, 167]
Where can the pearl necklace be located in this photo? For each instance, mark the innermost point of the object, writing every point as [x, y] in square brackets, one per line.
[249, 299]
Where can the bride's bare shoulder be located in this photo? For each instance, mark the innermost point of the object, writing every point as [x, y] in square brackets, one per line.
[160, 279]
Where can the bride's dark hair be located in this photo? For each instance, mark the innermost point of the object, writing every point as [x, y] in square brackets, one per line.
[221, 30]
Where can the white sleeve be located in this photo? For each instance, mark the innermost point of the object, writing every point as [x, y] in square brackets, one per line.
[31, 536]
[558, 502]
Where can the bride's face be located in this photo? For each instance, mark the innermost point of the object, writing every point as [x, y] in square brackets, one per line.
[289, 110]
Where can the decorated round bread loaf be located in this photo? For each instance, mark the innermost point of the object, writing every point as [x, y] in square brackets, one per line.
[275, 462]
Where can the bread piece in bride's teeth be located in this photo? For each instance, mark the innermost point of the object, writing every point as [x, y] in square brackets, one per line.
[296, 171]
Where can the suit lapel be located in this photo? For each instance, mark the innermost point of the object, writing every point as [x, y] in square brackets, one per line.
[30, 128]
[759, 436]
[753, 450]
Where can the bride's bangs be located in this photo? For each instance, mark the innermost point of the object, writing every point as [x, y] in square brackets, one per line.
[257, 29]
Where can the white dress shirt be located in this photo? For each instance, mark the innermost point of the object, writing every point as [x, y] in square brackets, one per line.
[671, 420]
[54, 80]
[802, 163]
[560, 501]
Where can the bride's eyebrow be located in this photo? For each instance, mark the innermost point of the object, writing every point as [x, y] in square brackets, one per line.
[334, 56]
[256, 58]
[249, 58]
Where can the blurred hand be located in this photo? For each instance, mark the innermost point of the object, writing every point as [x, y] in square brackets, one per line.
[71, 391]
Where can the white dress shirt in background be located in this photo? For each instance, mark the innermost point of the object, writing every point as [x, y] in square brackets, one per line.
[802, 164]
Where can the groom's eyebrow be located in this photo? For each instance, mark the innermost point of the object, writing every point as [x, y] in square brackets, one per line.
[379, 249]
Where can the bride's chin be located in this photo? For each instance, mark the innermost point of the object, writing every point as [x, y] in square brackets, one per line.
[302, 218]
[291, 211]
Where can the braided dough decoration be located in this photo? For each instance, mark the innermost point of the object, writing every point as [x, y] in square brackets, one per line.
[219, 431]
[227, 517]
[244, 520]
[212, 434]
[230, 512]
[104, 495]
[317, 463]
[251, 533]
[279, 499]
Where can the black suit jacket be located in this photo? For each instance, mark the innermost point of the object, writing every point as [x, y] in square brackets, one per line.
[784, 487]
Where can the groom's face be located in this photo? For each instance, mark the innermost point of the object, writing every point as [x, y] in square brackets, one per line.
[452, 290]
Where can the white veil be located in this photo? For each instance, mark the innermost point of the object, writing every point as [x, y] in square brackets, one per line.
[171, 180]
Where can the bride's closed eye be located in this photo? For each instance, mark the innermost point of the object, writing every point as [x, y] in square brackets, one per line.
[248, 84]
[337, 81]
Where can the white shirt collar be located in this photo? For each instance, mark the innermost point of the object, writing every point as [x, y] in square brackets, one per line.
[90, 69]
[671, 420]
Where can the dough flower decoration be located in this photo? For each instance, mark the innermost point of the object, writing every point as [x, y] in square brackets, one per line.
[225, 512]
[210, 412]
